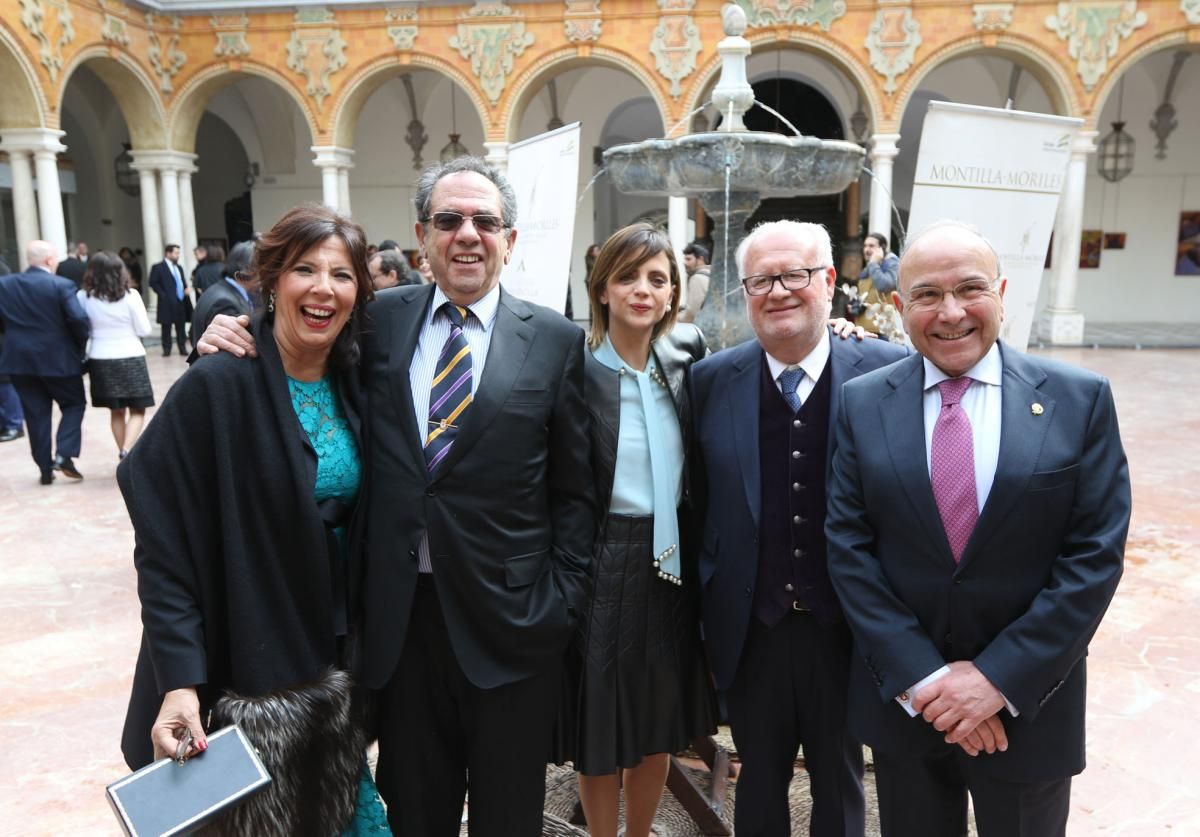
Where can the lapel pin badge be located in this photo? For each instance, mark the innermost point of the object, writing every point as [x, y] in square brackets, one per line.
[1037, 409]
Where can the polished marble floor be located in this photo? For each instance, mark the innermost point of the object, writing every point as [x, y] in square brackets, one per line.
[69, 623]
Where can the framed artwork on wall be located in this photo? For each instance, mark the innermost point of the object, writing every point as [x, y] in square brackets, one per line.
[1114, 241]
[1089, 248]
[1187, 252]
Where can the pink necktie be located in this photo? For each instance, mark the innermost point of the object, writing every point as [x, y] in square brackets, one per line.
[952, 467]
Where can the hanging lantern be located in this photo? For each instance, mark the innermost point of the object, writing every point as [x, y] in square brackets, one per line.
[1114, 154]
[127, 179]
[454, 148]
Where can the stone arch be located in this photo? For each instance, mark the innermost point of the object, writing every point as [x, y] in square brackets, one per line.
[1043, 65]
[832, 51]
[530, 82]
[193, 99]
[348, 105]
[22, 103]
[1169, 40]
[136, 95]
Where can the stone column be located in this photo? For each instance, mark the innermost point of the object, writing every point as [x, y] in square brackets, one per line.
[344, 190]
[496, 153]
[44, 146]
[187, 208]
[331, 160]
[25, 215]
[883, 156]
[152, 243]
[677, 231]
[172, 217]
[1061, 324]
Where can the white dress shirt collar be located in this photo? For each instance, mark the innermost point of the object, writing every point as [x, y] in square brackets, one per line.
[989, 370]
[813, 363]
[483, 308]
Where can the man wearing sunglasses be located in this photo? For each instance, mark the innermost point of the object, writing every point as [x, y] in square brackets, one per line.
[479, 518]
[775, 634]
[978, 510]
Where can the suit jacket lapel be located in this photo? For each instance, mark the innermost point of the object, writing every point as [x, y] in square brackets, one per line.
[844, 357]
[743, 399]
[512, 335]
[1021, 437]
[407, 318]
[902, 414]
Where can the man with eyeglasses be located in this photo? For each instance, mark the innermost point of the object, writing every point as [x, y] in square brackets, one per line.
[479, 518]
[776, 638]
[978, 510]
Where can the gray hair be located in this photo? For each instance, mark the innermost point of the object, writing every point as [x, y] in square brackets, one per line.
[431, 175]
[802, 231]
[949, 223]
[393, 261]
[240, 257]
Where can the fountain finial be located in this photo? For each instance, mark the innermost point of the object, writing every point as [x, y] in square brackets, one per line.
[733, 95]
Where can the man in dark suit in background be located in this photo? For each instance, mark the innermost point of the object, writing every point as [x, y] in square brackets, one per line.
[234, 294]
[481, 518]
[389, 268]
[776, 639]
[46, 332]
[168, 282]
[74, 266]
[977, 519]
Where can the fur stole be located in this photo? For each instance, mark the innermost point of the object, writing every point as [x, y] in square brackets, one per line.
[313, 744]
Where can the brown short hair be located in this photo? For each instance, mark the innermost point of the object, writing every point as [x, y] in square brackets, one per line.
[624, 251]
[293, 235]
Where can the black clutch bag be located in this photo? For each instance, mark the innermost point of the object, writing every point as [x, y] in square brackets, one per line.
[167, 797]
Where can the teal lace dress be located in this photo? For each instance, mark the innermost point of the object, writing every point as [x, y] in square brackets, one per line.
[339, 472]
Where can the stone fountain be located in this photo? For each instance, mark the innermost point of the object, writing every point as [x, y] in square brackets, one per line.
[730, 171]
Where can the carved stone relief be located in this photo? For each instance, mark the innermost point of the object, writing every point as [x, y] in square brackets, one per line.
[52, 35]
[1093, 31]
[114, 30]
[492, 46]
[316, 50]
[1191, 10]
[582, 21]
[402, 27]
[675, 43]
[992, 17]
[797, 12]
[892, 42]
[230, 31]
[169, 59]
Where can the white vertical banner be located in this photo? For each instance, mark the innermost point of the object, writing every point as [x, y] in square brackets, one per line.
[1002, 171]
[544, 171]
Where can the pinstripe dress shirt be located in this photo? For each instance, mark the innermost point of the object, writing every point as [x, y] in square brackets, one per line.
[478, 331]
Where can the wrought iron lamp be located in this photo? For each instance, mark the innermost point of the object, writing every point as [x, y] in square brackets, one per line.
[1114, 153]
[127, 179]
[454, 148]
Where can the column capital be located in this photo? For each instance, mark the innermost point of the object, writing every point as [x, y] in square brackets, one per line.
[496, 154]
[163, 159]
[1084, 143]
[884, 146]
[331, 156]
[32, 140]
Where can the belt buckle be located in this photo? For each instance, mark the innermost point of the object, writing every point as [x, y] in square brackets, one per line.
[799, 608]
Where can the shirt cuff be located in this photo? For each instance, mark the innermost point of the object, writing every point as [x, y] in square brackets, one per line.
[905, 697]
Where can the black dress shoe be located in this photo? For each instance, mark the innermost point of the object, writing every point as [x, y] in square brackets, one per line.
[47, 477]
[64, 464]
[11, 433]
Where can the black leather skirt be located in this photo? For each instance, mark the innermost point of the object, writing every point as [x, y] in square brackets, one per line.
[642, 682]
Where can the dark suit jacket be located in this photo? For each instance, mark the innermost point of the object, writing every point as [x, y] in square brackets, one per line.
[1034, 580]
[221, 298]
[46, 329]
[162, 282]
[726, 481]
[72, 269]
[509, 512]
[245, 601]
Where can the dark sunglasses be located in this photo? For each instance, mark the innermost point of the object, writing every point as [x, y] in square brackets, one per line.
[450, 221]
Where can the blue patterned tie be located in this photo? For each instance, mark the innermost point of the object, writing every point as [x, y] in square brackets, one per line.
[789, 379]
[450, 393]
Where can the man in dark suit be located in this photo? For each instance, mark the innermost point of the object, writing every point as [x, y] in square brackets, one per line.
[168, 282]
[977, 519]
[389, 268]
[75, 265]
[234, 294]
[480, 518]
[776, 639]
[46, 332]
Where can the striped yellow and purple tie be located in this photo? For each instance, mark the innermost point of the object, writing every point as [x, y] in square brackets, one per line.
[450, 393]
